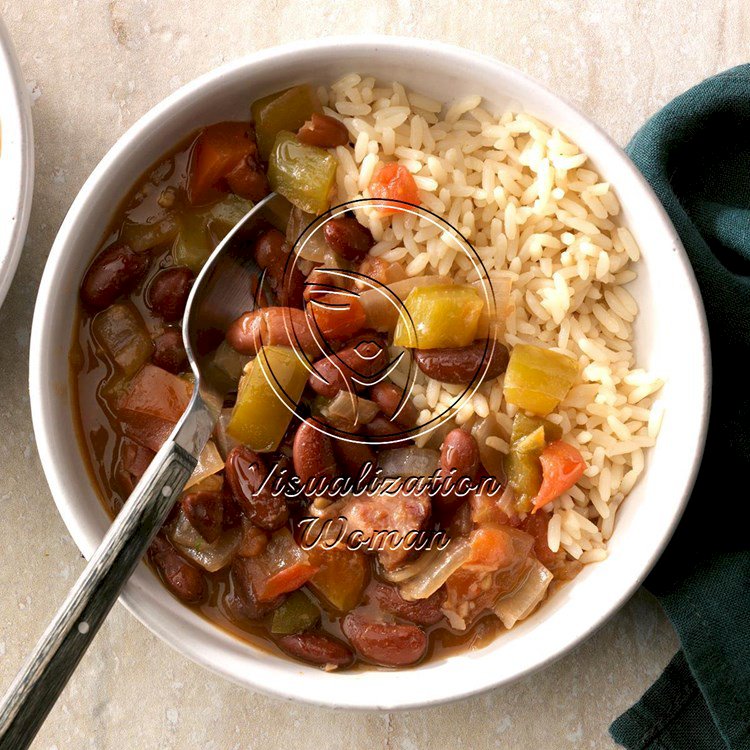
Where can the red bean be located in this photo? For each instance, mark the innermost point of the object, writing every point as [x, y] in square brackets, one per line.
[286, 326]
[114, 272]
[348, 238]
[320, 649]
[205, 512]
[421, 612]
[388, 398]
[272, 253]
[245, 472]
[313, 453]
[387, 644]
[323, 131]
[184, 580]
[244, 602]
[168, 292]
[464, 364]
[353, 456]
[248, 179]
[169, 351]
[460, 453]
[350, 368]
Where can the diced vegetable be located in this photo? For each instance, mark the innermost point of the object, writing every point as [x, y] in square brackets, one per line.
[523, 426]
[304, 175]
[441, 568]
[562, 467]
[296, 614]
[283, 110]
[210, 462]
[538, 379]
[524, 600]
[210, 557]
[315, 248]
[336, 316]
[282, 567]
[394, 182]
[230, 361]
[218, 150]
[341, 577]
[151, 404]
[442, 316]
[491, 548]
[522, 467]
[120, 330]
[193, 244]
[348, 409]
[381, 309]
[492, 322]
[201, 230]
[408, 462]
[267, 395]
[143, 237]
[492, 459]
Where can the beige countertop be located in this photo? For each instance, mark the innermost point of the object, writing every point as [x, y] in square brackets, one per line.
[93, 67]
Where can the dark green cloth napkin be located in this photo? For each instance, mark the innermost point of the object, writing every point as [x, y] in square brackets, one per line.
[696, 154]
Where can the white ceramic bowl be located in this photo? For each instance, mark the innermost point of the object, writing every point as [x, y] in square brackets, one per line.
[16, 161]
[671, 335]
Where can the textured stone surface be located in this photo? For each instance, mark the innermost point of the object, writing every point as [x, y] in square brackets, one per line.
[93, 67]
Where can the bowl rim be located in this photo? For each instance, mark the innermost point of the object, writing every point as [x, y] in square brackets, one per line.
[40, 400]
[16, 112]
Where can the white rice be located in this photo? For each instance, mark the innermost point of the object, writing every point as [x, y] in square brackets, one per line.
[536, 211]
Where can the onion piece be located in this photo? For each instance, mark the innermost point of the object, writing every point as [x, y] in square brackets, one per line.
[492, 459]
[380, 308]
[408, 462]
[224, 441]
[501, 287]
[528, 595]
[404, 573]
[429, 580]
[350, 409]
[210, 557]
[315, 248]
[209, 462]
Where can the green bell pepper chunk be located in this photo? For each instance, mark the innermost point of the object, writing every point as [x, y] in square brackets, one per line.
[303, 174]
[296, 614]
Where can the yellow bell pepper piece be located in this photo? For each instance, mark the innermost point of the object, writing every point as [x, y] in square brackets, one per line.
[443, 317]
[268, 393]
[538, 379]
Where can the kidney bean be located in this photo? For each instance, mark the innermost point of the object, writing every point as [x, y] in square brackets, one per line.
[271, 326]
[313, 453]
[421, 612]
[323, 131]
[388, 398]
[463, 364]
[243, 602]
[459, 452]
[350, 367]
[245, 473]
[184, 580]
[115, 271]
[247, 179]
[320, 649]
[387, 644]
[272, 253]
[205, 512]
[168, 292]
[353, 456]
[348, 238]
[169, 351]
[134, 460]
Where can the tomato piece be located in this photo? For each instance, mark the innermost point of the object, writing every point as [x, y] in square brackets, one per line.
[341, 577]
[491, 548]
[337, 316]
[218, 151]
[394, 182]
[562, 467]
[289, 579]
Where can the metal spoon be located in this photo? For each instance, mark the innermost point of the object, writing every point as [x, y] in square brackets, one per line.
[219, 295]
